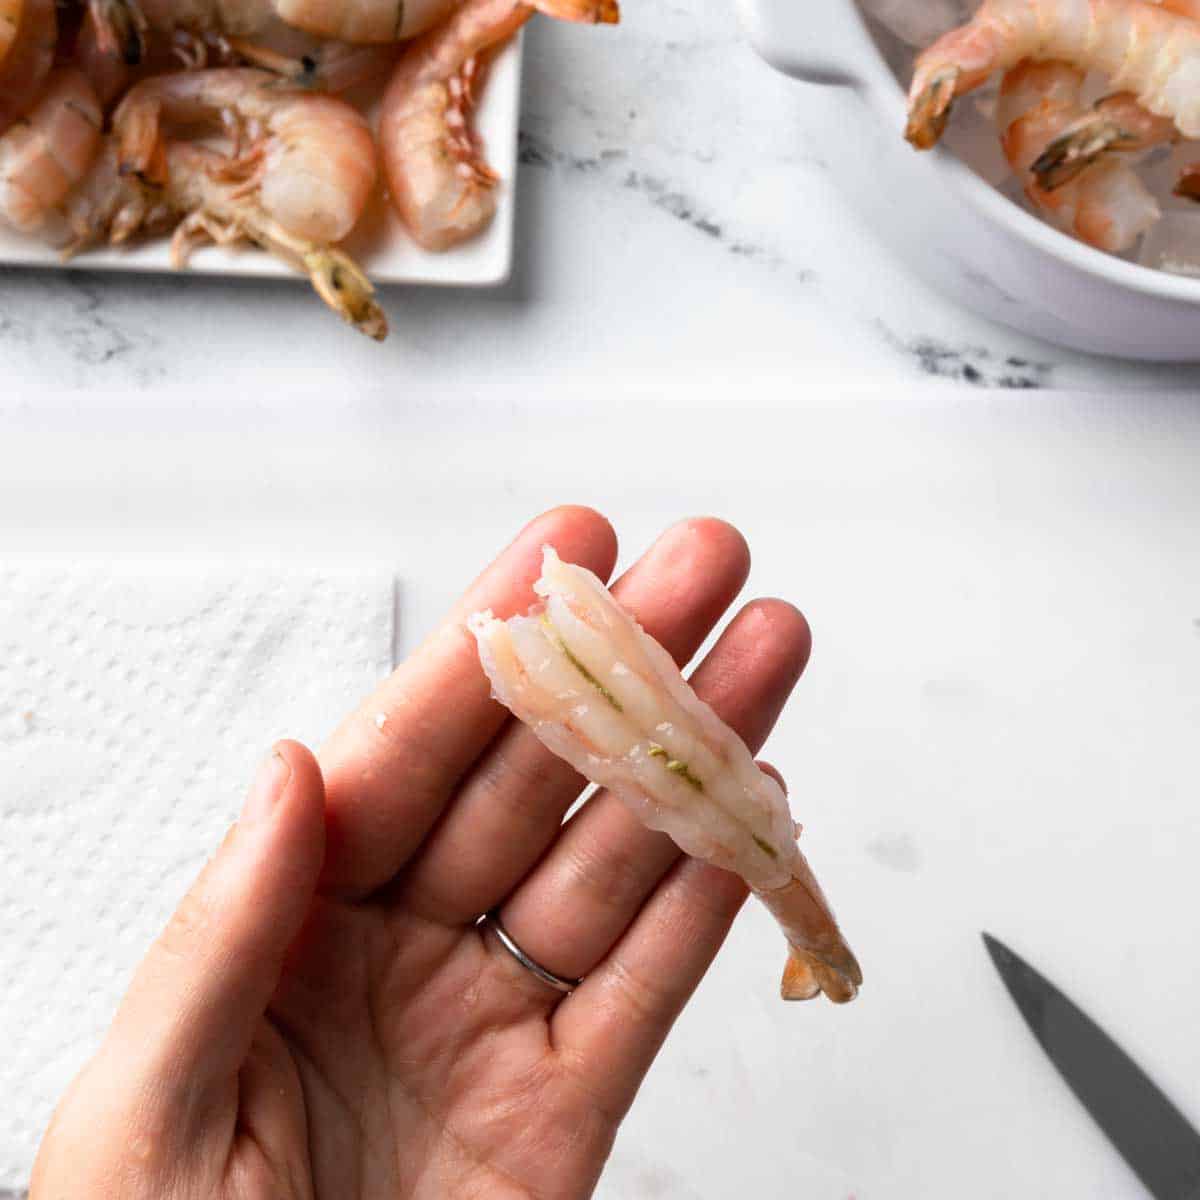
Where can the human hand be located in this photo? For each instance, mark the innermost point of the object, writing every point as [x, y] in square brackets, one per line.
[323, 1017]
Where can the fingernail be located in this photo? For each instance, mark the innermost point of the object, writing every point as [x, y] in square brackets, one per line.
[272, 777]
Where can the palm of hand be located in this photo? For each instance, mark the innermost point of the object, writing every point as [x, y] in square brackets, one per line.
[324, 1018]
[423, 1071]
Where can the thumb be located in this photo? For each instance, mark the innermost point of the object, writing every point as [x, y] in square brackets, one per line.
[190, 1014]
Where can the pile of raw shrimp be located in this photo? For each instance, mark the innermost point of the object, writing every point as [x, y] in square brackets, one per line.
[1084, 164]
[226, 121]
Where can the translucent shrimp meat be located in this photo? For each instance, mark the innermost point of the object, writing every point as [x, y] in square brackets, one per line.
[602, 694]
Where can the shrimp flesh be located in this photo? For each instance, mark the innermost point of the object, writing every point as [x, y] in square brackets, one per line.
[602, 694]
[300, 175]
[27, 58]
[45, 154]
[1105, 204]
[439, 182]
[1141, 47]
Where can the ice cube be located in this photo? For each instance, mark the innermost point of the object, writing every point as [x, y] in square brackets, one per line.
[1173, 244]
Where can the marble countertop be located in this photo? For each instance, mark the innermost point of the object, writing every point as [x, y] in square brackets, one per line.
[673, 213]
[997, 729]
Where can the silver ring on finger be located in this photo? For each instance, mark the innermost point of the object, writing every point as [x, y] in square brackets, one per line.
[558, 982]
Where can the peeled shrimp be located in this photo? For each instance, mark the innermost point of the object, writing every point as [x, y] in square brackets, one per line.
[439, 181]
[47, 153]
[301, 172]
[606, 697]
[28, 55]
[1106, 204]
[1142, 48]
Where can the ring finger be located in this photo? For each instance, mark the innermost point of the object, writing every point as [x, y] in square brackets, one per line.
[576, 903]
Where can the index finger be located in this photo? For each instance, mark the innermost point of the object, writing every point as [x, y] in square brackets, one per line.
[391, 766]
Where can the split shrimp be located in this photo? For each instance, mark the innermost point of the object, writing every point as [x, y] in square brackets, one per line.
[1105, 204]
[1143, 48]
[27, 57]
[439, 182]
[602, 694]
[45, 154]
[300, 174]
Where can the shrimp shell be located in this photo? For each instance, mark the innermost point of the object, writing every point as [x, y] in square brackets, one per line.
[602, 694]
[27, 59]
[439, 182]
[45, 155]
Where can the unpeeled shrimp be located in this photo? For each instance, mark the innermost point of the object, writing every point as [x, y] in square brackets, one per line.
[1106, 204]
[438, 179]
[10, 22]
[602, 694]
[46, 154]
[126, 23]
[301, 172]
[28, 57]
[1142, 48]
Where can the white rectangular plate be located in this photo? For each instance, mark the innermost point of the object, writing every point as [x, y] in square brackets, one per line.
[379, 243]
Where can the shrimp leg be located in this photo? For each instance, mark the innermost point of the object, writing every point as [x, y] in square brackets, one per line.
[606, 697]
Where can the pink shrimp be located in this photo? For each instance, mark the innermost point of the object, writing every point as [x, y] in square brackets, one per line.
[302, 169]
[47, 153]
[10, 22]
[602, 694]
[1143, 48]
[128, 23]
[27, 58]
[439, 182]
[1105, 204]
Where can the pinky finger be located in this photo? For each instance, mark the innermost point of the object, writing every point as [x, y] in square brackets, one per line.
[614, 1024]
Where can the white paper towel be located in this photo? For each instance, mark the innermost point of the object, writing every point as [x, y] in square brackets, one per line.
[133, 709]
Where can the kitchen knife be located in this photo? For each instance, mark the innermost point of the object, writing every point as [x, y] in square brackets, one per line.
[1152, 1135]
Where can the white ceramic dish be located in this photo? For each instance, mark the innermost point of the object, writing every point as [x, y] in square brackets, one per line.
[379, 243]
[955, 229]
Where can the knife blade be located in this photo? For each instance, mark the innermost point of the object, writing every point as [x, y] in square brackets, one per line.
[1152, 1135]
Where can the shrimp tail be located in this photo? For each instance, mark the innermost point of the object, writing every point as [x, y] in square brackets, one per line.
[818, 958]
[587, 12]
[340, 282]
[930, 109]
[1077, 148]
[799, 978]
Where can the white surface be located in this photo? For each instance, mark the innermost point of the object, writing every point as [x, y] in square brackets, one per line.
[379, 244]
[675, 212]
[997, 729]
[134, 707]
